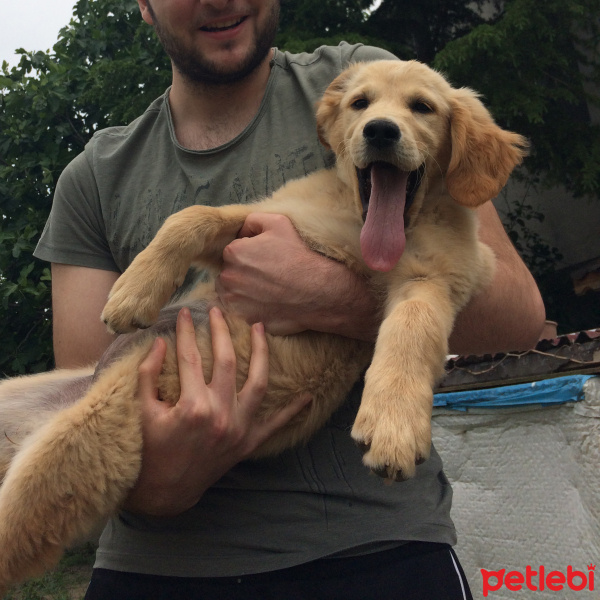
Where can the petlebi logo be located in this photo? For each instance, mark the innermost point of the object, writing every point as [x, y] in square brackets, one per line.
[538, 580]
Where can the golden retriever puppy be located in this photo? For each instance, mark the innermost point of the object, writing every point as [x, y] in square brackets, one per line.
[414, 156]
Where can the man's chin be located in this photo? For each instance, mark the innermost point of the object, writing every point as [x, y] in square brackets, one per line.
[225, 69]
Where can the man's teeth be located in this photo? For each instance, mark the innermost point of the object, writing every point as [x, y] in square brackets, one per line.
[224, 25]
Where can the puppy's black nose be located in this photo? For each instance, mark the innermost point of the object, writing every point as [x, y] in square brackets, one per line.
[381, 133]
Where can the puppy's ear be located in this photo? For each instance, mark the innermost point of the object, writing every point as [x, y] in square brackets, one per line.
[328, 106]
[483, 155]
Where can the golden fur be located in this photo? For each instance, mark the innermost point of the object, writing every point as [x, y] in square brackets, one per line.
[76, 467]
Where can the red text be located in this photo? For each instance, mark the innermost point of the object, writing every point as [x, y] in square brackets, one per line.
[538, 580]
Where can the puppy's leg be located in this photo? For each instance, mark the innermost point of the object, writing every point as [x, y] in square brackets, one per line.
[393, 423]
[197, 234]
[71, 473]
[28, 402]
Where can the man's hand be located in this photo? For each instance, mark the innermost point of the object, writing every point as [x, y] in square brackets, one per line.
[189, 446]
[270, 275]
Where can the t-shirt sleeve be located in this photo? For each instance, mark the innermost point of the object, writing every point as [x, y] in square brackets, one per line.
[75, 232]
[358, 53]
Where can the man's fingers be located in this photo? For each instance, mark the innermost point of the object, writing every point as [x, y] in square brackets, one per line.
[224, 363]
[253, 225]
[254, 389]
[257, 223]
[189, 361]
[150, 368]
[258, 372]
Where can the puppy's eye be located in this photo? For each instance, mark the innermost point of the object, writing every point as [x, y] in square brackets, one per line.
[421, 107]
[360, 104]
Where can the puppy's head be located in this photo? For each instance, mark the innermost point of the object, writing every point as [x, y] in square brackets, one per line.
[396, 126]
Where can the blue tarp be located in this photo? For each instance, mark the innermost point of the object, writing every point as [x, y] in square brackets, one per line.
[547, 392]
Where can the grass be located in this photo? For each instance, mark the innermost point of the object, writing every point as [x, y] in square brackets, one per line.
[68, 581]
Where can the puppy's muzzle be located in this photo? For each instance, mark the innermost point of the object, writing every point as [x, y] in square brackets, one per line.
[381, 133]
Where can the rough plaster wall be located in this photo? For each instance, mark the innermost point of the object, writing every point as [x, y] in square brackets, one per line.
[526, 490]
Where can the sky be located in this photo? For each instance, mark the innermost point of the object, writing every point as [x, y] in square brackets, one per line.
[31, 24]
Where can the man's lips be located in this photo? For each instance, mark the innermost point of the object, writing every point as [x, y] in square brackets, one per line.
[223, 25]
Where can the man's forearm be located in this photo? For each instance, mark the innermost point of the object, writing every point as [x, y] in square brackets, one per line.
[78, 295]
[510, 313]
[501, 318]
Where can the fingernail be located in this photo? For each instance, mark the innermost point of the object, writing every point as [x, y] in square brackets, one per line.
[259, 327]
[216, 311]
[185, 313]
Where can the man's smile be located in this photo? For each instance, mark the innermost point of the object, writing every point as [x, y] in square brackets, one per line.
[224, 25]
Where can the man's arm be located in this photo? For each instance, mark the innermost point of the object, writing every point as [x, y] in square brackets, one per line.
[270, 275]
[510, 313]
[78, 297]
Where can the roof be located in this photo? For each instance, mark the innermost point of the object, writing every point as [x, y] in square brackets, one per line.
[576, 353]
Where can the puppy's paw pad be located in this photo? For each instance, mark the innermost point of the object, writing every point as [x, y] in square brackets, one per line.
[393, 452]
[126, 311]
[389, 474]
[123, 326]
[364, 447]
[390, 470]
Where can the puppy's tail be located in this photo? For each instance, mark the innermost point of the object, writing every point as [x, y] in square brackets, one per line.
[69, 474]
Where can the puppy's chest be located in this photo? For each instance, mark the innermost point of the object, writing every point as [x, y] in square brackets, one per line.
[436, 236]
[439, 217]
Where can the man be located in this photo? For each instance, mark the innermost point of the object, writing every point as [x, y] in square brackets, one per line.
[236, 124]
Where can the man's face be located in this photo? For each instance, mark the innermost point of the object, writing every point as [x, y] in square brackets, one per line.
[218, 41]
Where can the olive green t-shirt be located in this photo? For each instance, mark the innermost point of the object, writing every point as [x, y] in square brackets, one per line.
[311, 502]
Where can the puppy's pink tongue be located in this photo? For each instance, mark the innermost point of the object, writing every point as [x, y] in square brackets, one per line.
[382, 238]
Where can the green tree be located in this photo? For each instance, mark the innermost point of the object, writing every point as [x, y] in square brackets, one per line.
[421, 29]
[307, 24]
[322, 18]
[105, 69]
[537, 66]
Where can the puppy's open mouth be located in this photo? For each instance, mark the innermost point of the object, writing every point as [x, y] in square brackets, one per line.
[386, 194]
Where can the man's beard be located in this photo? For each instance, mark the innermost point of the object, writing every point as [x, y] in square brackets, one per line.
[196, 68]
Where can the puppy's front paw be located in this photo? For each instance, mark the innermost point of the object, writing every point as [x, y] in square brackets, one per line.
[134, 302]
[122, 314]
[393, 432]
